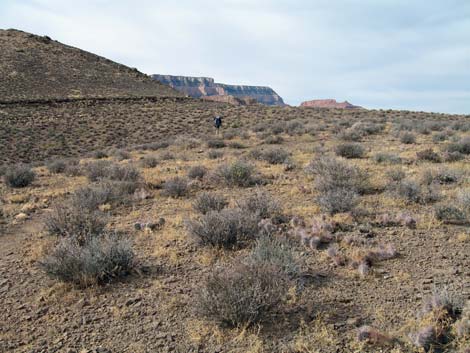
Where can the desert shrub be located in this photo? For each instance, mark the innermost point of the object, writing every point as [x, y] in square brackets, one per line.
[294, 128]
[18, 176]
[350, 135]
[408, 138]
[388, 158]
[242, 294]
[226, 228]
[216, 143]
[261, 204]
[440, 136]
[411, 191]
[99, 154]
[428, 155]
[57, 166]
[230, 134]
[100, 170]
[395, 175]
[97, 170]
[236, 145]
[121, 155]
[275, 252]
[462, 146]
[153, 146]
[95, 261]
[278, 128]
[338, 184]
[350, 150]
[197, 172]
[149, 162]
[440, 176]
[452, 156]
[167, 156]
[207, 202]
[449, 214]
[77, 218]
[238, 173]
[273, 140]
[463, 201]
[214, 154]
[176, 187]
[275, 156]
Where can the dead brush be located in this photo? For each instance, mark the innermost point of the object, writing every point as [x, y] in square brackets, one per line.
[373, 336]
[319, 231]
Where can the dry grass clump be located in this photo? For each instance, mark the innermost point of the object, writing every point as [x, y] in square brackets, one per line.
[435, 321]
[122, 155]
[18, 176]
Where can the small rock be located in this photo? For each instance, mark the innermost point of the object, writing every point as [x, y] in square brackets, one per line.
[21, 216]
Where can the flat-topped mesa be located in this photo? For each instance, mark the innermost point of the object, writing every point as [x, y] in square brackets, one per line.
[199, 87]
[329, 103]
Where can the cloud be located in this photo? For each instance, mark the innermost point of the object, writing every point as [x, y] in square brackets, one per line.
[387, 53]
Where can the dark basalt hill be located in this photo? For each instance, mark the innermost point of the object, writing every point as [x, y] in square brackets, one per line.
[36, 67]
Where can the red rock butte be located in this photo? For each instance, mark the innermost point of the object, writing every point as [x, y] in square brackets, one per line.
[329, 103]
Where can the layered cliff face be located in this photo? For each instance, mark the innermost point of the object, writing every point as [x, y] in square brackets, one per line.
[205, 87]
[329, 103]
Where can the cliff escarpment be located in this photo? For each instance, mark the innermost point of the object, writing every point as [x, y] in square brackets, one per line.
[199, 87]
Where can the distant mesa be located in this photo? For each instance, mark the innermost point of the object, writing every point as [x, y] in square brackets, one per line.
[204, 87]
[329, 103]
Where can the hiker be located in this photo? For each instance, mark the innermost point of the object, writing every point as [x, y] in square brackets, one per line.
[217, 123]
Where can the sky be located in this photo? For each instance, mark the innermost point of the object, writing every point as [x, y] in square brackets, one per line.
[389, 54]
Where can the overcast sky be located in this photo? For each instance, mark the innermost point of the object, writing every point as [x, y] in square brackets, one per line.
[402, 54]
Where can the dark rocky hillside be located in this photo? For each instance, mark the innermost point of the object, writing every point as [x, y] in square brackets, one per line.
[34, 67]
